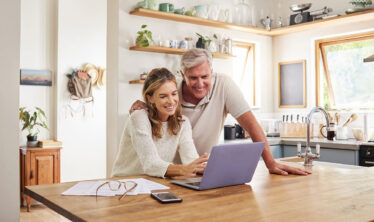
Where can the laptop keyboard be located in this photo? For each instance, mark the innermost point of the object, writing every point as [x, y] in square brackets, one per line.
[195, 184]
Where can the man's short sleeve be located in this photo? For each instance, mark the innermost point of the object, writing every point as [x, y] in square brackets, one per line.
[235, 102]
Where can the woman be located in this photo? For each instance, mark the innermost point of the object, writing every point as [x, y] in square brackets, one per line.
[154, 140]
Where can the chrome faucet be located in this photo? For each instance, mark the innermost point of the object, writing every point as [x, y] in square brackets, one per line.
[308, 155]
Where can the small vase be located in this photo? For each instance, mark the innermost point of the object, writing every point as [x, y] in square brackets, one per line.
[212, 47]
[32, 141]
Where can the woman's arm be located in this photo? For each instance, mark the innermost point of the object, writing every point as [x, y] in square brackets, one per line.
[142, 140]
[192, 163]
[188, 170]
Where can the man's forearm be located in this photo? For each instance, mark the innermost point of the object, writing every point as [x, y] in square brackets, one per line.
[249, 123]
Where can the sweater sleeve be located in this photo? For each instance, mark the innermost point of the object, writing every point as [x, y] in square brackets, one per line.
[187, 149]
[141, 137]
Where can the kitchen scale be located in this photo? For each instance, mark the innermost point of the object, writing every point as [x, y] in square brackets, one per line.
[302, 16]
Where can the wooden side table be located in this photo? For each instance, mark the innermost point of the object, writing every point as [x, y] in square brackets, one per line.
[38, 166]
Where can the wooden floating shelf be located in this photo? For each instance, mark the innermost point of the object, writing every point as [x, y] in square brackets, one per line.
[344, 19]
[330, 22]
[138, 81]
[197, 21]
[167, 50]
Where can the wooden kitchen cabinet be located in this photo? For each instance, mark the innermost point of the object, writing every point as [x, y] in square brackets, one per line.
[38, 166]
[327, 154]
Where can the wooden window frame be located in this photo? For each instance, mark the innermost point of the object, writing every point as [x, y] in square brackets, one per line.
[320, 54]
[249, 46]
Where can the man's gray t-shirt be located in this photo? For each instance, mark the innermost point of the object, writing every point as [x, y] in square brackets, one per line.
[208, 116]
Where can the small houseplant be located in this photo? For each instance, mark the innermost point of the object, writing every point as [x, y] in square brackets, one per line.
[360, 3]
[205, 42]
[32, 120]
[144, 37]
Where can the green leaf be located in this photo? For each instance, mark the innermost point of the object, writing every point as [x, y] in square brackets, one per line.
[144, 26]
[149, 35]
[140, 32]
[215, 36]
[144, 43]
[40, 111]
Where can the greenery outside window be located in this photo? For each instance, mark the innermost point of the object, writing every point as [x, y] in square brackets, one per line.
[243, 67]
[343, 80]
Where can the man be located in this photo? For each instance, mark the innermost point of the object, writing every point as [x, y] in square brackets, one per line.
[207, 98]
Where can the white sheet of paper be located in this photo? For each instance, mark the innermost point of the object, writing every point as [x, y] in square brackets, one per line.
[88, 188]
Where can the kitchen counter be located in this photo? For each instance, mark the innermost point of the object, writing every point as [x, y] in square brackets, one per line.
[333, 192]
[350, 144]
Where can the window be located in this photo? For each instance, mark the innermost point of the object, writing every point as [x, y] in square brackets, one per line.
[243, 69]
[343, 79]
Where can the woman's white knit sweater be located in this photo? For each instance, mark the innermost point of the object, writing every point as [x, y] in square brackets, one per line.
[140, 153]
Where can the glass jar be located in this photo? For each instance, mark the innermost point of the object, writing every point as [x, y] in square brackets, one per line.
[242, 13]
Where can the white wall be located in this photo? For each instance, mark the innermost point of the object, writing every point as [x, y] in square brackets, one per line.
[38, 51]
[81, 38]
[133, 63]
[300, 46]
[9, 90]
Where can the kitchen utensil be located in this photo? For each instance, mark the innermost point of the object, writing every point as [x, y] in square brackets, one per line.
[266, 22]
[301, 16]
[229, 132]
[330, 131]
[179, 11]
[351, 119]
[300, 7]
[342, 133]
[337, 118]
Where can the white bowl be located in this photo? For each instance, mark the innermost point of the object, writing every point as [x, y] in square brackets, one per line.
[358, 133]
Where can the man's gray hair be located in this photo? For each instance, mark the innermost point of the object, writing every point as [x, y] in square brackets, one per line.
[195, 57]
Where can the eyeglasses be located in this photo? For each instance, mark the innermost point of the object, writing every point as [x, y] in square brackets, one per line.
[116, 186]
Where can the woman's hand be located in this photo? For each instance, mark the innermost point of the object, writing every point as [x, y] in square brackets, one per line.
[196, 166]
[137, 105]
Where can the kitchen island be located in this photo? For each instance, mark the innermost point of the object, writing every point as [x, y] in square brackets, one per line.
[339, 151]
[334, 192]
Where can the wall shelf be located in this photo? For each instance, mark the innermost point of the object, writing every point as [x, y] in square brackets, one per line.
[167, 50]
[344, 19]
[138, 81]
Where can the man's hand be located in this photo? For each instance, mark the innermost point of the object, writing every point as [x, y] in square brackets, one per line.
[277, 168]
[138, 105]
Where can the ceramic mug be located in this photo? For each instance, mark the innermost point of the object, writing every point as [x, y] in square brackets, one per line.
[165, 43]
[166, 7]
[174, 44]
[183, 44]
[201, 11]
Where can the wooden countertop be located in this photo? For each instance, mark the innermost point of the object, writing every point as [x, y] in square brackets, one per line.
[331, 193]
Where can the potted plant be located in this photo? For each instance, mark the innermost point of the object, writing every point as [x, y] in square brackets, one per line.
[206, 43]
[32, 120]
[144, 37]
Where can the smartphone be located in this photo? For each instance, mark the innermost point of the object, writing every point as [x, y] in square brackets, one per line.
[166, 197]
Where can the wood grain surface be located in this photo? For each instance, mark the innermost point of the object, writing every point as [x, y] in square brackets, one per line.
[331, 193]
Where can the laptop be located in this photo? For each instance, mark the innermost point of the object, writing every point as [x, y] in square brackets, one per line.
[228, 164]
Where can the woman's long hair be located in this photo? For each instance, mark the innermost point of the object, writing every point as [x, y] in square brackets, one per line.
[154, 80]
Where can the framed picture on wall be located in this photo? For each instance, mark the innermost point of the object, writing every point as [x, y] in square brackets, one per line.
[292, 84]
[36, 77]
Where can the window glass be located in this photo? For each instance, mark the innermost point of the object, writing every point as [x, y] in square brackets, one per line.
[348, 81]
[243, 70]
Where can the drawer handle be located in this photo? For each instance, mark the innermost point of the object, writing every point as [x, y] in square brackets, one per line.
[31, 174]
[369, 162]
